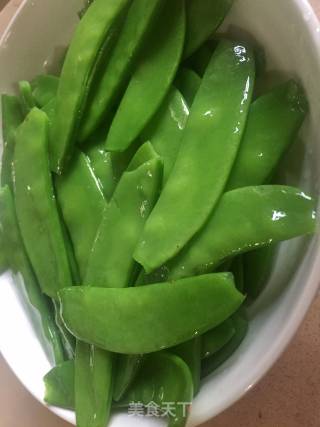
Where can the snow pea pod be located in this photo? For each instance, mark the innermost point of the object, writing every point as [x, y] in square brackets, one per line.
[190, 353]
[120, 229]
[78, 191]
[165, 130]
[36, 205]
[209, 147]
[214, 340]
[19, 263]
[241, 325]
[164, 379]
[203, 18]
[45, 88]
[178, 311]
[11, 118]
[123, 221]
[102, 167]
[266, 213]
[94, 37]
[127, 369]
[92, 369]
[188, 82]
[273, 123]
[26, 97]
[120, 63]
[59, 385]
[152, 79]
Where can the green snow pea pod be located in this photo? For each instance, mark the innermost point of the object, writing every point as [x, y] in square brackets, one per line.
[68, 340]
[123, 218]
[214, 340]
[123, 221]
[19, 263]
[200, 60]
[50, 110]
[203, 18]
[165, 130]
[267, 214]
[119, 320]
[114, 76]
[82, 204]
[164, 379]
[11, 118]
[101, 163]
[36, 207]
[188, 82]
[127, 369]
[59, 385]
[209, 147]
[257, 269]
[26, 97]
[92, 369]
[210, 364]
[190, 353]
[152, 78]
[94, 37]
[45, 88]
[273, 123]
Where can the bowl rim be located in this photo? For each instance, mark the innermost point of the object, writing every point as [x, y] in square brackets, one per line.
[312, 281]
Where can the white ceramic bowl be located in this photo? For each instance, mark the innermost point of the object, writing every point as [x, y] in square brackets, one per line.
[290, 32]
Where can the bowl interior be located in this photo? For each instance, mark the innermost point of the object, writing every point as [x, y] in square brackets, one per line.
[290, 34]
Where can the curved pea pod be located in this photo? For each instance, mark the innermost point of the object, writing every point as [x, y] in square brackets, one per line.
[190, 353]
[241, 325]
[50, 110]
[178, 311]
[45, 88]
[36, 205]
[152, 78]
[26, 97]
[123, 221]
[115, 74]
[188, 83]
[127, 368]
[273, 123]
[164, 379]
[92, 366]
[82, 204]
[214, 340]
[166, 128]
[94, 37]
[267, 214]
[209, 147]
[11, 118]
[203, 18]
[19, 263]
[59, 385]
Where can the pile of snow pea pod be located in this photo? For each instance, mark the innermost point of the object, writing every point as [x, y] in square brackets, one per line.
[133, 185]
